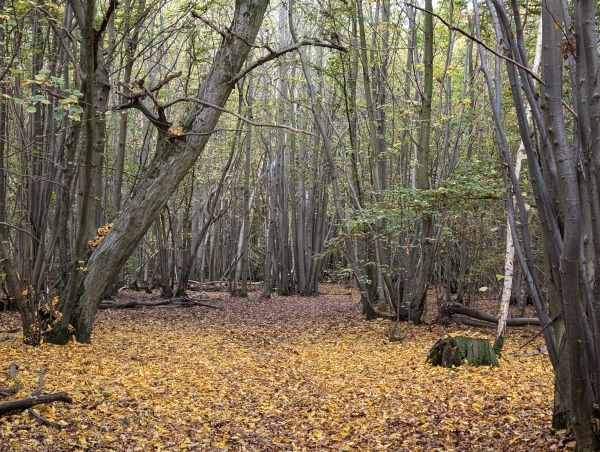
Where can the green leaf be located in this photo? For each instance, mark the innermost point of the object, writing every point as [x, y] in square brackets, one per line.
[75, 109]
[58, 113]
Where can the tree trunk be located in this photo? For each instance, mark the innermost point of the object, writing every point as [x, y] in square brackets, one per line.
[510, 247]
[415, 288]
[172, 161]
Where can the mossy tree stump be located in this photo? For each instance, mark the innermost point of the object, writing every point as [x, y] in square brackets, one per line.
[455, 350]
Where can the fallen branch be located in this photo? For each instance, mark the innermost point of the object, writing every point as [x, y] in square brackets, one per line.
[35, 399]
[38, 389]
[11, 330]
[181, 302]
[12, 374]
[24, 404]
[132, 304]
[6, 392]
[461, 320]
[42, 420]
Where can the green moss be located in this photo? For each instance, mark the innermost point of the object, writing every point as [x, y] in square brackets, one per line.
[454, 351]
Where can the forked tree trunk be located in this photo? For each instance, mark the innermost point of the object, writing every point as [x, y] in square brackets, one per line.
[172, 161]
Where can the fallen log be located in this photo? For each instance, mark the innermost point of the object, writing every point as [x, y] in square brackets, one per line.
[168, 302]
[468, 311]
[133, 304]
[462, 320]
[25, 404]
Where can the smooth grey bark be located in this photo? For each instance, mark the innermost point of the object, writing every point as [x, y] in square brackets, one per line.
[242, 269]
[561, 194]
[580, 394]
[350, 245]
[210, 215]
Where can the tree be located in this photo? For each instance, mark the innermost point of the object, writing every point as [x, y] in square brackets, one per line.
[175, 155]
[563, 180]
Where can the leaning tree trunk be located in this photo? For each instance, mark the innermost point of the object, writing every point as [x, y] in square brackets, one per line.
[174, 158]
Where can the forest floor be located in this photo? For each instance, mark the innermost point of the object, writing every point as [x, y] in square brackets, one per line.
[281, 374]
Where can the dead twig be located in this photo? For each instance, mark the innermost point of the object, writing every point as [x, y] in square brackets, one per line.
[38, 389]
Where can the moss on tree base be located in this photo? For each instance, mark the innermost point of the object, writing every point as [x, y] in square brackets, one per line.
[454, 351]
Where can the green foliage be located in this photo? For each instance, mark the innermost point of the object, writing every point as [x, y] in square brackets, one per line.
[68, 105]
[464, 191]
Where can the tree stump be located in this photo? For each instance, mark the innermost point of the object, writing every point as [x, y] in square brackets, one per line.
[453, 351]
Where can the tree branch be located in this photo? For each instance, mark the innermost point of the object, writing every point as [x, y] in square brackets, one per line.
[24, 404]
[208, 23]
[473, 38]
[237, 115]
[276, 54]
[106, 19]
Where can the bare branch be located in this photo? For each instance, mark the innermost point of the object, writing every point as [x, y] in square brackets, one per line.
[473, 38]
[208, 23]
[164, 81]
[24, 404]
[240, 117]
[24, 231]
[106, 19]
[276, 54]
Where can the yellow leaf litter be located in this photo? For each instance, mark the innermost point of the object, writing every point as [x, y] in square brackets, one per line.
[282, 374]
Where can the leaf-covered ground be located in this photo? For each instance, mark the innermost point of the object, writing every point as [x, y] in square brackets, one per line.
[284, 374]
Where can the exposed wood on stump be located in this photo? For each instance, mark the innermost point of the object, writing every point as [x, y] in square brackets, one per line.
[453, 351]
